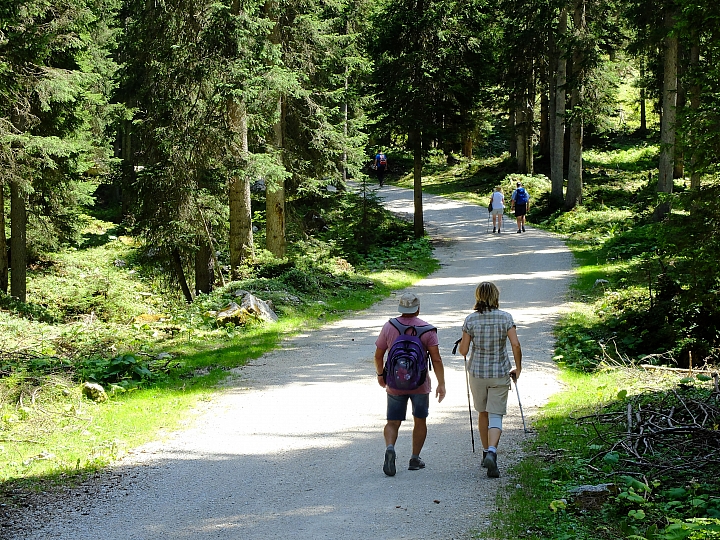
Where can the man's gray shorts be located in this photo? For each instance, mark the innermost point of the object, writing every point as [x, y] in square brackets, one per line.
[397, 406]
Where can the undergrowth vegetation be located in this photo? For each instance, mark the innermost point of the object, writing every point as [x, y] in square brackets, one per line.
[595, 473]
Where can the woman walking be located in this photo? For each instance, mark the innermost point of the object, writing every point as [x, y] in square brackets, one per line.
[497, 199]
[488, 328]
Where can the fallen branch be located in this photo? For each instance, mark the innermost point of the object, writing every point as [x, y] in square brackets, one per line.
[682, 370]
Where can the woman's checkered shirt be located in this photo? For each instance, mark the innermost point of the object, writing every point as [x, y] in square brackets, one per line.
[488, 356]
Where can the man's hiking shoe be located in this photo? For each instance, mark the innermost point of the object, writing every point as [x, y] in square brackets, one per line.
[389, 465]
[519, 231]
[490, 463]
[416, 463]
[483, 461]
[494, 229]
[523, 229]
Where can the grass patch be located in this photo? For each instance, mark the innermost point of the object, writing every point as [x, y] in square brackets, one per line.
[569, 452]
[58, 436]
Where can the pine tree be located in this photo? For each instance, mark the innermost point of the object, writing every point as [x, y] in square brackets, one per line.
[431, 58]
[53, 88]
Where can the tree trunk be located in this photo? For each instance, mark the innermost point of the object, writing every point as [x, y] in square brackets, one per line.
[520, 140]
[643, 111]
[18, 243]
[275, 199]
[557, 160]
[694, 105]
[544, 141]
[681, 100]
[529, 102]
[573, 197]
[3, 245]
[128, 166]
[180, 274]
[512, 125]
[345, 119]
[203, 267]
[275, 241]
[418, 222]
[552, 117]
[241, 236]
[667, 128]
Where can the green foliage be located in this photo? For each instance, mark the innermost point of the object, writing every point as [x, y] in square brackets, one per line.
[577, 344]
[442, 57]
[56, 77]
[125, 371]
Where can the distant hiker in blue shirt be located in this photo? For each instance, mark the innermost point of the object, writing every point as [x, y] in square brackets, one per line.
[520, 204]
[380, 166]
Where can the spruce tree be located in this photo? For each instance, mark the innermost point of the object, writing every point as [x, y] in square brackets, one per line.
[55, 78]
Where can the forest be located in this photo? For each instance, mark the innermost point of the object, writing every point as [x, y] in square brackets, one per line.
[157, 157]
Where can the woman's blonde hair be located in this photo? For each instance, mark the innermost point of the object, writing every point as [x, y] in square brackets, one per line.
[498, 188]
[487, 297]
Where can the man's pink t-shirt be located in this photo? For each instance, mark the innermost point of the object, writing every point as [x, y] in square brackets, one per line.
[389, 333]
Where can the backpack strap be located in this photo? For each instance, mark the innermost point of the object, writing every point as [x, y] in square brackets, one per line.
[425, 328]
[402, 328]
[417, 330]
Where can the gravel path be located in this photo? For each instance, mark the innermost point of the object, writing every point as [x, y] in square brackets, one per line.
[294, 448]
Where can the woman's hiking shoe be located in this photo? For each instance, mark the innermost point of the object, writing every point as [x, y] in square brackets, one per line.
[490, 463]
[389, 465]
[416, 463]
[483, 461]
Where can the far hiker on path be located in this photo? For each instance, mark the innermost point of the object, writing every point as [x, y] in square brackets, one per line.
[404, 382]
[520, 204]
[380, 165]
[497, 202]
[489, 328]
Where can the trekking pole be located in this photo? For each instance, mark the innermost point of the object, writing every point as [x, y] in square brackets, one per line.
[467, 384]
[522, 415]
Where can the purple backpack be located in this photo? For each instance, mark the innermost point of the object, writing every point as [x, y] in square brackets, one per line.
[407, 362]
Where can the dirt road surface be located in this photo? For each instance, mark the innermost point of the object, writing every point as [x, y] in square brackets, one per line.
[294, 448]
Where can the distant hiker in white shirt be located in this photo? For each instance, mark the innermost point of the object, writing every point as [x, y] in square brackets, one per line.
[497, 199]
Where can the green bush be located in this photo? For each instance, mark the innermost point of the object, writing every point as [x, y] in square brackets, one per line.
[125, 371]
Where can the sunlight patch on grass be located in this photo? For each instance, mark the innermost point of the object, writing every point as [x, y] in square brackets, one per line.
[84, 435]
[631, 159]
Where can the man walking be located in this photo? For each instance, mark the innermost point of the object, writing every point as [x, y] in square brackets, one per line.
[520, 204]
[380, 164]
[409, 308]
